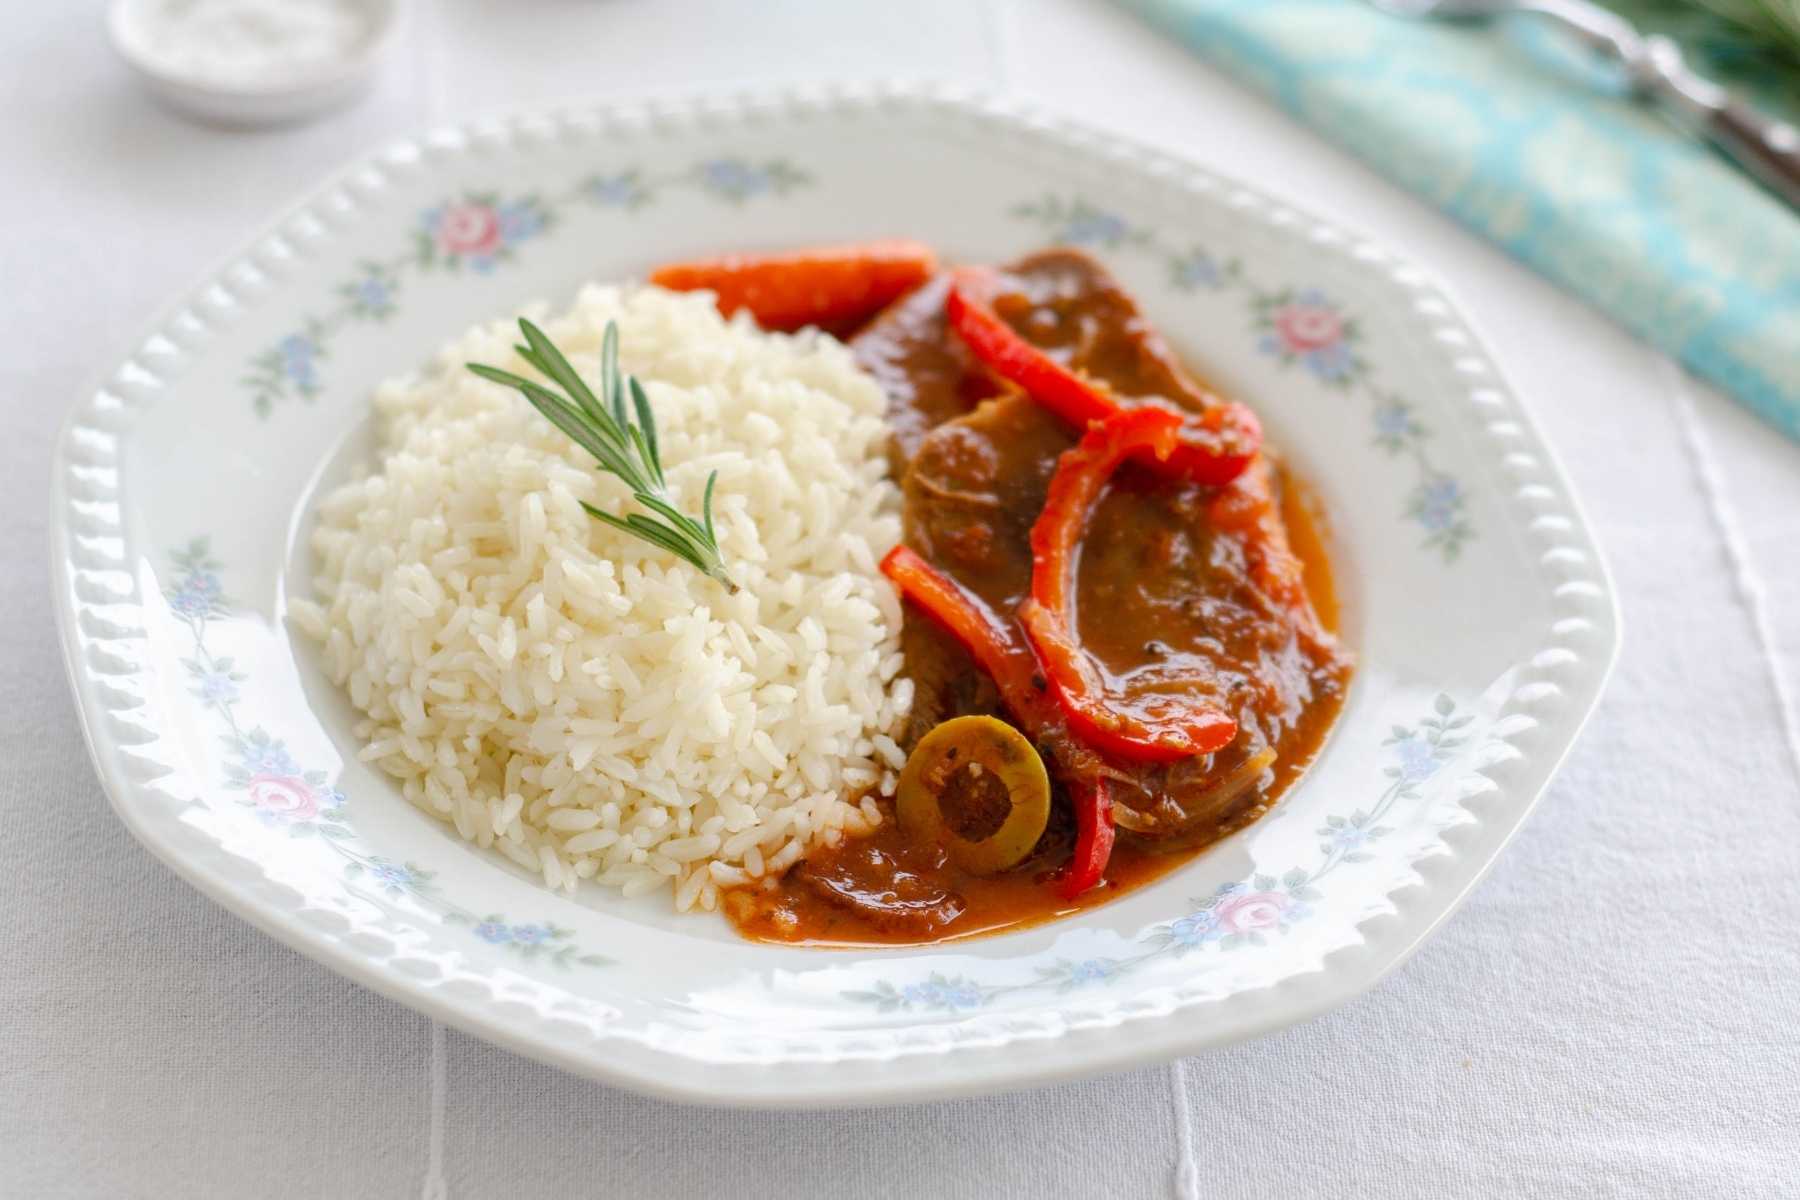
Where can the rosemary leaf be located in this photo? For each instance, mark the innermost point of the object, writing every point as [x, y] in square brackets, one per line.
[602, 425]
[551, 361]
[647, 423]
[609, 372]
[706, 508]
[683, 524]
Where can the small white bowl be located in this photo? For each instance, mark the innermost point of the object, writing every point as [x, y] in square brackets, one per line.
[307, 93]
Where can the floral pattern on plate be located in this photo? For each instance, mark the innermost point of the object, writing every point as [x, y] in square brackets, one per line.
[1241, 913]
[480, 232]
[1297, 326]
[305, 803]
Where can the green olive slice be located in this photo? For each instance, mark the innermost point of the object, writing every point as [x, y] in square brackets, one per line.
[976, 786]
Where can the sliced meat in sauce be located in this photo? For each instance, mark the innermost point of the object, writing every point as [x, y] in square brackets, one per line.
[928, 374]
[1066, 303]
[1181, 589]
[893, 889]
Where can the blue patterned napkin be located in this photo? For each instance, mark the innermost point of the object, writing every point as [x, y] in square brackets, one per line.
[1592, 190]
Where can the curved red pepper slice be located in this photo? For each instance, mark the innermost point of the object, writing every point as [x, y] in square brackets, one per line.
[1011, 665]
[1214, 447]
[1167, 729]
[993, 644]
[1093, 838]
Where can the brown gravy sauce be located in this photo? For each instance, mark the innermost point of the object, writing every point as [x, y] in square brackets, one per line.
[792, 912]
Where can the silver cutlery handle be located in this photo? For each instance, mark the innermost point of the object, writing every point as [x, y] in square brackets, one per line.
[1766, 147]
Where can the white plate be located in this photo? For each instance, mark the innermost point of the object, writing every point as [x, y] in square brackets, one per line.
[1475, 598]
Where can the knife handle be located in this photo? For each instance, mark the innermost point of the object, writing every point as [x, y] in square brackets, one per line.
[1767, 148]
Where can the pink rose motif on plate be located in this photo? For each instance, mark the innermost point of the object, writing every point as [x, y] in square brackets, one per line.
[468, 229]
[1306, 327]
[1248, 912]
[283, 797]
[477, 231]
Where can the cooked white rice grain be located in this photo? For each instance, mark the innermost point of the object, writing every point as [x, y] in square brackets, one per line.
[583, 701]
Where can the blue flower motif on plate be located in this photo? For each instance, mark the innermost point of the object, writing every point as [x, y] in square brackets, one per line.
[1197, 269]
[497, 932]
[299, 359]
[738, 180]
[624, 190]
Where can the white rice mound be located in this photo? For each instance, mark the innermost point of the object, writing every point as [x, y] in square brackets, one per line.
[584, 702]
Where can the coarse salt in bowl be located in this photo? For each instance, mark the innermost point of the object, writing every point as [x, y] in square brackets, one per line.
[254, 62]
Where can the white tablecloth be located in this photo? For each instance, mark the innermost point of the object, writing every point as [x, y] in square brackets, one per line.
[1615, 1012]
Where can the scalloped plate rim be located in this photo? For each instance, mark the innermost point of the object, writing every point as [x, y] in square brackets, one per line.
[1444, 878]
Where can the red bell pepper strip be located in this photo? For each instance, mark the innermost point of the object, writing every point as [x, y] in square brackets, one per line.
[996, 648]
[833, 287]
[1214, 448]
[1009, 662]
[1162, 729]
[1093, 838]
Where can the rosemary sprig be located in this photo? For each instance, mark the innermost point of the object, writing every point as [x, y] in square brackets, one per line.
[603, 427]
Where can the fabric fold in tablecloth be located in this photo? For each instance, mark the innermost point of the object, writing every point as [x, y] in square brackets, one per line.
[1598, 193]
